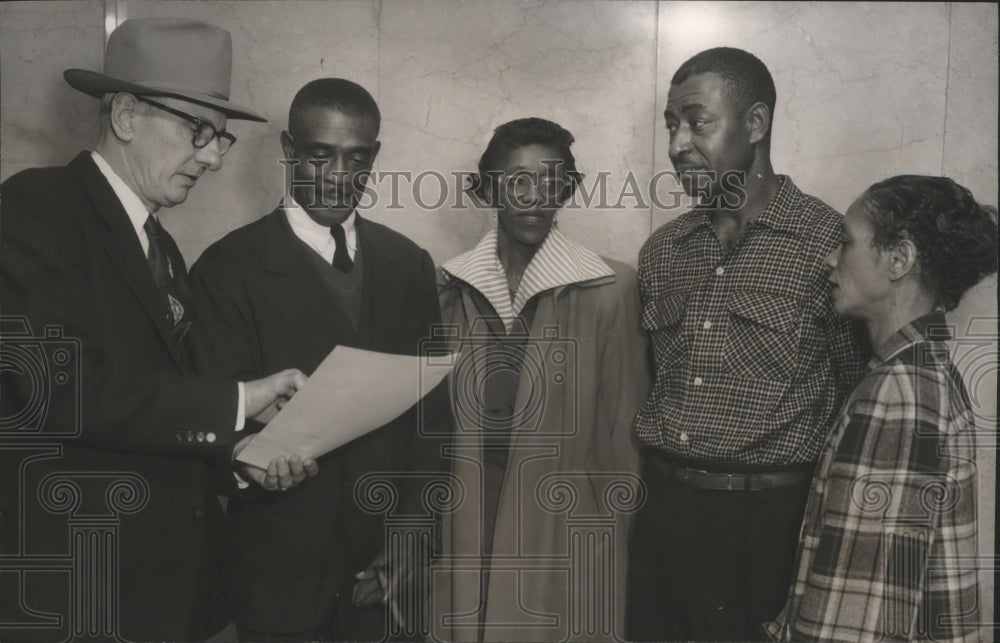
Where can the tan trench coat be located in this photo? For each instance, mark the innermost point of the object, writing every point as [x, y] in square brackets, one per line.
[559, 548]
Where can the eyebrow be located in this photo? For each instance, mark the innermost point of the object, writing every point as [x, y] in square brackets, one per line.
[350, 150]
[687, 108]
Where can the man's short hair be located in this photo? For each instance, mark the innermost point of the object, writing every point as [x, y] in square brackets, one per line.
[747, 78]
[337, 94]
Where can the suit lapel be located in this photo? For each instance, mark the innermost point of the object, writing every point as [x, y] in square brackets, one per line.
[383, 293]
[296, 290]
[125, 250]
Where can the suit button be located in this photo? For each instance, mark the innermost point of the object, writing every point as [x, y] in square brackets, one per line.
[200, 436]
[190, 436]
[180, 436]
[197, 513]
[210, 437]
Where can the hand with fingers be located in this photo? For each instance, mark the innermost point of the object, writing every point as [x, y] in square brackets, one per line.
[277, 388]
[282, 472]
[382, 582]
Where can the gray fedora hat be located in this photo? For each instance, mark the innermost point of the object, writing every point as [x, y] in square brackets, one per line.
[177, 57]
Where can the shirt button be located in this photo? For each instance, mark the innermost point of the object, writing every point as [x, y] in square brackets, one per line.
[706, 325]
[684, 436]
[200, 436]
[210, 437]
[720, 271]
[698, 381]
[190, 436]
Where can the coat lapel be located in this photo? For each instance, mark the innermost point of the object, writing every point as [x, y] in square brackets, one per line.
[125, 250]
[296, 290]
[383, 291]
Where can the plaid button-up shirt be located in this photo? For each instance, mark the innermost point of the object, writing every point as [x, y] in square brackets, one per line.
[751, 361]
[888, 540]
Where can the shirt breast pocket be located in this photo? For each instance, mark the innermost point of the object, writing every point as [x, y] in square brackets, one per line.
[662, 317]
[763, 336]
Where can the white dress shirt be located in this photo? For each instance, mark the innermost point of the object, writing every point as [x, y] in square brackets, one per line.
[316, 235]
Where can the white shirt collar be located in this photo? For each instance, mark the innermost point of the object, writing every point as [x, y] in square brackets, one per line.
[559, 261]
[134, 207]
[316, 235]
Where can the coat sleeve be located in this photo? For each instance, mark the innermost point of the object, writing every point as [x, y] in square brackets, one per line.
[53, 291]
[623, 377]
[431, 429]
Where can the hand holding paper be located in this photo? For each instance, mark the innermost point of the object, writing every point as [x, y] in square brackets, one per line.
[281, 473]
[261, 394]
[351, 393]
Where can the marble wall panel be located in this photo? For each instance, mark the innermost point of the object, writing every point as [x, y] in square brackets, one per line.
[970, 157]
[970, 138]
[451, 72]
[44, 121]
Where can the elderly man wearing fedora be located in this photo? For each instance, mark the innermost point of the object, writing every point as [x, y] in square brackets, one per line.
[120, 475]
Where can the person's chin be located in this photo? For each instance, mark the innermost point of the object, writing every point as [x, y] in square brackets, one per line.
[176, 197]
[328, 215]
[841, 306]
[531, 236]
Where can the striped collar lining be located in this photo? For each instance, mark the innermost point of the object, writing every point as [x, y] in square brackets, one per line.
[558, 262]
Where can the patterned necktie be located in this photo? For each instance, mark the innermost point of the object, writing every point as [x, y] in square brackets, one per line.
[170, 276]
[341, 258]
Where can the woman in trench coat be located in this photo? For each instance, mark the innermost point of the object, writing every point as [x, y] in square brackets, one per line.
[551, 373]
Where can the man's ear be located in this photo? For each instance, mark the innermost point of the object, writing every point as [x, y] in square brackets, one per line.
[902, 260]
[758, 120]
[375, 148]
[287, 144]
[123, 111]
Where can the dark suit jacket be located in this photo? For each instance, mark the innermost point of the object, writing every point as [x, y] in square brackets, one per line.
[134, 430]
[263, 307]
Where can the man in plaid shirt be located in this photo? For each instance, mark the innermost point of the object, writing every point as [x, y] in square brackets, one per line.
[751, 366]
[888, 547]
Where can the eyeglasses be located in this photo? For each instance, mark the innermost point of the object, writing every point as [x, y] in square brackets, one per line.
[204, 131]
[519, 185]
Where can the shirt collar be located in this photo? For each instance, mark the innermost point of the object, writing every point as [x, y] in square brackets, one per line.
[559, 261]
[134, 207]
[316, 234]
[781, 212]
[930, 327]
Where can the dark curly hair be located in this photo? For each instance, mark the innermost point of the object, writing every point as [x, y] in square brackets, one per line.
[956, 237]
[519, 133]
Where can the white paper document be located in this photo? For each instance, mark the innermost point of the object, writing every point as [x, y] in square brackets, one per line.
[351, 393]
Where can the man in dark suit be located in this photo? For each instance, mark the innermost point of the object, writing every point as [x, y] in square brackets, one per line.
[282, 292]
[116, 436]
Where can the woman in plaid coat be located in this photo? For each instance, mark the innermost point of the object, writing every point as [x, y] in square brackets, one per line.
[889, 537]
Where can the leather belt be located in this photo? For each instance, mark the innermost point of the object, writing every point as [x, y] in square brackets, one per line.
[714, 481]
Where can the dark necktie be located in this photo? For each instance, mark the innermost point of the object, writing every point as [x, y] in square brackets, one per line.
[170, 276]
[341, 258]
